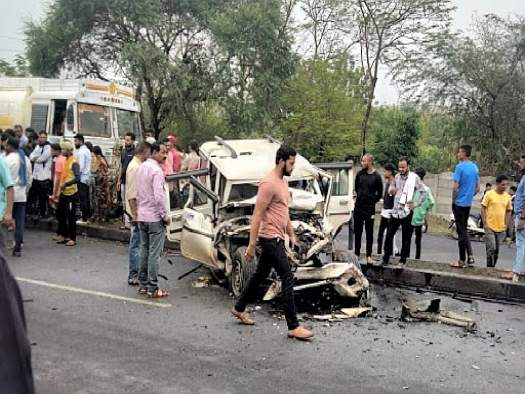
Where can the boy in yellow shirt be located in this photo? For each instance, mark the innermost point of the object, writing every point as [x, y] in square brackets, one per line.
[496, 212]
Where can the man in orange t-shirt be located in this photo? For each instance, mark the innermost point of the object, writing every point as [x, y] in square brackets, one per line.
[270, 224]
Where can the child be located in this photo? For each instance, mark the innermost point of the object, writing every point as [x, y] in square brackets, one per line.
[421, 211]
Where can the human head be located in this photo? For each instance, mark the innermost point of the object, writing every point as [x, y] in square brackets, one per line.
[194, 147]
[173, 139]
[148, 133]
[143, 151]
[67, 148]
[488, 186]
[19, 130]
[42, 137]
[3, 139]
[420, 172]
[522, 163]
[512, 190]
[11, 145]
[89, 145]
[367, 161]
[129, 140]
[464, 152]
[502, 183]
[79, 140]
[98, 151]
[404, 165]
[158, 152]
[285, 159]
[10, 133]
[390, 170]
[169, 144]
[55, 150]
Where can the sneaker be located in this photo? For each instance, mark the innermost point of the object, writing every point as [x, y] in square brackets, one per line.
[17, 253]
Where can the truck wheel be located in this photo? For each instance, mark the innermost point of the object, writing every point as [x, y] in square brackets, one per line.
[242, 271]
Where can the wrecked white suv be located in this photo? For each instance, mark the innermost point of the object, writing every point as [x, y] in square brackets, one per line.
[211, 210]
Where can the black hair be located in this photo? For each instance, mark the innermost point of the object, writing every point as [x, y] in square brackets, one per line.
[40, 133]
[467, 149]
[522, 157]
[10, 133]
[31, 130]
[149, 131]
[143, 147]
[421, 173]
[98, 151]
[501, 178]
[155, 147]
[80, 137]
[130, 134]
[56, 146]
[513, 188]
[284, 153]
[390, 167]
[488, 184]
[404, 158]
[13, 143]
[89, 145]
[194, 146]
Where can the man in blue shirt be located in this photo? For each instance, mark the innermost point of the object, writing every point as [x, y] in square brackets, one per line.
[466, 185]
[83, 156]
[519, 212]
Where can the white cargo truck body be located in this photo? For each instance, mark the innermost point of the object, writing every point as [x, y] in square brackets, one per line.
[101, 111]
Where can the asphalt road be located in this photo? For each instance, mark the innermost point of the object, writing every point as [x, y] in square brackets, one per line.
[91, 334]
[442, 248]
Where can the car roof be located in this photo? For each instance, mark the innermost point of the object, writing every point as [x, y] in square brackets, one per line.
[250, 159]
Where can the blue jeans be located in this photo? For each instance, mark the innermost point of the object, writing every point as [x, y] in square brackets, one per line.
[519, 264]
[19, 216]
[151, 247]
[134, 251]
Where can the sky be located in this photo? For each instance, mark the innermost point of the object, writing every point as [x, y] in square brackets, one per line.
[12, 24]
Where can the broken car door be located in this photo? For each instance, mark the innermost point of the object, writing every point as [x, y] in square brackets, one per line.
[341, 202]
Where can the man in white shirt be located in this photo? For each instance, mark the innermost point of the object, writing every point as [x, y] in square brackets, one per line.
[42, 161]
[83, 156]
[20, 169]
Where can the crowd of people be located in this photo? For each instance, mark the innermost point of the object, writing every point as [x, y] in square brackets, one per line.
[407, 201]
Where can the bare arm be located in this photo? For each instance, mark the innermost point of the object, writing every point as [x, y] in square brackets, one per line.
[455, 189]
[291, 233]
[260, 208]
[133, 207]
[508, 218]
[8, 214]
[484, 215]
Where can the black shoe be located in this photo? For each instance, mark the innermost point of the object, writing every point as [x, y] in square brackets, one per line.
[17, 253]
[133, 282]
[470, 261]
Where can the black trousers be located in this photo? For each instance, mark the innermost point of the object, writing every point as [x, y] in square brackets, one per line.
[406, 231]
[367, 220]
[42, 191]
[273, 256]
[383, 227]
[85, 205]
[419, 235]
[461, 215]
[66, 214]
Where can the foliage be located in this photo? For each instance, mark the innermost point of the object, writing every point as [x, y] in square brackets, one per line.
[323, 108]
[17, 68]
[395, 33]
[396, 132]
[479, 79]
[179, 55]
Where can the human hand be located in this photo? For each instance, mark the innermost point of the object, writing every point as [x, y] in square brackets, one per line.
[250, 252]
[411, 205]
[8, 220]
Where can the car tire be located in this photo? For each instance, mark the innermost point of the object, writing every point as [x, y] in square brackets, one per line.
[242, 271]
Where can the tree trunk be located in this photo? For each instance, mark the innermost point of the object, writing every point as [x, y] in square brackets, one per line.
[368, 112]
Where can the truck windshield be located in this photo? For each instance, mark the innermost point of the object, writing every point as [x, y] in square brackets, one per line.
[128, 121]
[93, 120]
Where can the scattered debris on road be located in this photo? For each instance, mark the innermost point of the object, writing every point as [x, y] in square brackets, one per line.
[430, 311]
[201, 281]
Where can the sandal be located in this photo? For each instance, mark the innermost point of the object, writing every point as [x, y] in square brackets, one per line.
[70, 243]
[158, 293]
[63, 241]
[458, 264]
[243, 318]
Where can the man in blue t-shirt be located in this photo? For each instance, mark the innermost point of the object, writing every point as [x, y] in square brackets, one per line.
[466, 185]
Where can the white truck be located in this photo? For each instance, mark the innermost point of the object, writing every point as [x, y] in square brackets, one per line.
[101, 111]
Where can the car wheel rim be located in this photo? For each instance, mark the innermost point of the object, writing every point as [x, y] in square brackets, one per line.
[237, 279]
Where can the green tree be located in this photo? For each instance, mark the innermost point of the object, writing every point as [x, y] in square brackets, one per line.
[16, 68]
[396, 132]
[180, 55]
[479, 79]
[323, 109]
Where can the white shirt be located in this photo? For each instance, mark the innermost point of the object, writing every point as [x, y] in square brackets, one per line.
[13, 162]
[41, 156]
[83, 156]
